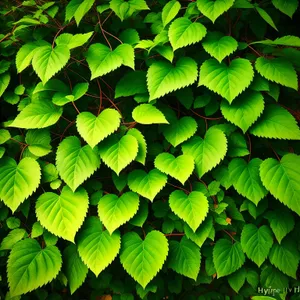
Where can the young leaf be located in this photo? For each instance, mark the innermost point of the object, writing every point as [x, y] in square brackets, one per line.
[75, 269]
[39, 114]
[278, 70]
[289, 40]
[148, 114]
[38, 141]
[183, 32]
[12, 238]
[218, 45]
[180, 130]
[246, 180]
[236, 77]
[4, 82]
[227, 257]
[72, 41]
[285, 257]
[245, 110]
[266, 17]
[281, 222]
[256, 242]
[18, 181]
[142, 259]
[118, 153]
[191, 208]
[141, 156]
[170, 11]
[237, 279]
[115, 211]
[207, 152]
[125, 9]
[77, 9]
[102, 60]
[181, 167]
[184, 258]
[163, 77]
[147, 185]
[213, 9]
[96, 247]
[276, 123]
[30, 267]
[47, 61]
[95, 129]
[282, 179]
[287, 7]
[63, 214]
[133, 82]
[75, 163]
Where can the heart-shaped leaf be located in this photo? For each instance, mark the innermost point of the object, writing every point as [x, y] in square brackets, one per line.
[180, 130]
[148, 114]
[235, 78]
[218, 45]
[142, 259]
[26, 174]
[114, 211]
[213, 9]
[95, 129]
[118, 153]
[207, 152]
[163, 77]
[180, 167]
[147, 185]
[191, 208]
[51, 212]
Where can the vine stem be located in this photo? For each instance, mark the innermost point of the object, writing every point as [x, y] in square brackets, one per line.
[232, 238]
[206, 118]
[250, 146]
[175, 234]
[254, 50]
[100, 96]
[178, 187]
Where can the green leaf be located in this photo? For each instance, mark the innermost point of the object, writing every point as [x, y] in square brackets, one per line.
[163, 77]
[202, 233]
[276, 123]
[207, 152]
[213, 9]
[38, 141]
[4, 136]
[184, 258]
[287, 7]
[75, 163]
[12, 238]
[97, 248]
[237, 279]
[191, 208]
[30, 267]
[4, 82]
[118, 153]
[47, 61]
[266, 17]
[103, 60]
[227, 257]
[79, 90]
[170, 11]
[141, 156]
[281, 222]
[180, 130]
[235, 78]
[95, 129]
[183, 32]
[125, 9]
[142, 259]
[282, 179]
[75, 269]
[218, 45]
[13, 223]
[130, 36]
[277, 70]
[141, 216]
[63, 214]
[37, 230]
[133, 82]
[18, 181]
[181, 167]
[289, 40]
[245, 110]
[147, 185]
[77, 9]
[271, 276]
[246, 180]
[256, 242]
[148, 114]
[285, 257]
[115, 211]
[72, 41]
[4, 66]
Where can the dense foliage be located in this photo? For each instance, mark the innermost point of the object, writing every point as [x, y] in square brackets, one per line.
[149, 149]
